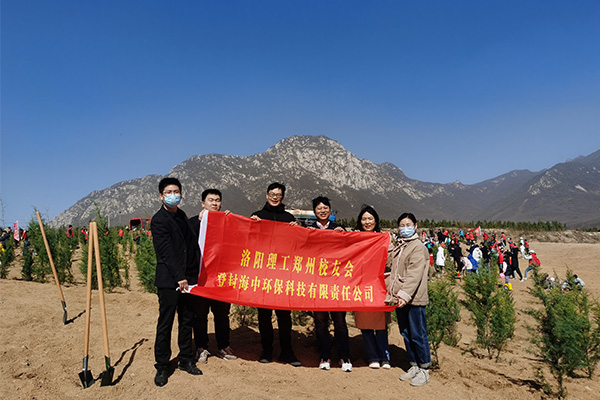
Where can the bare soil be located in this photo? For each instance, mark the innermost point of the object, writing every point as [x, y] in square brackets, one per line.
[41, 358]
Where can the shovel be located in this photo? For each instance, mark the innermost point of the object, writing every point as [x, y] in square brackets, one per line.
[86, 375]
[107, 375]
[60, 293]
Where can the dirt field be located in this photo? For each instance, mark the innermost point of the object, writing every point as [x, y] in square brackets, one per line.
[41, 357]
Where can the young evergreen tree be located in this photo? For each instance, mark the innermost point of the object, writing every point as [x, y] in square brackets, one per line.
[567, 335]
[145, 261]
[443, 312]
[492, 310]
[7, 255]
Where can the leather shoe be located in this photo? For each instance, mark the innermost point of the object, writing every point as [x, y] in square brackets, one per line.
[161, 378]
[190, 368]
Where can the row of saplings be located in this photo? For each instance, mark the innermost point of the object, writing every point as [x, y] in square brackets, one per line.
[566, 335]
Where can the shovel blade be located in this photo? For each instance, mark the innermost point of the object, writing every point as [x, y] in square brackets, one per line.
[107, 377]
[86, 378]
[64, 306]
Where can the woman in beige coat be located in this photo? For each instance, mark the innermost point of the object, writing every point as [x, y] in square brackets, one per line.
[407, 288]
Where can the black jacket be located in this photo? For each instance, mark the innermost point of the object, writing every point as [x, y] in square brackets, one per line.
[274, 213]
[177, 251]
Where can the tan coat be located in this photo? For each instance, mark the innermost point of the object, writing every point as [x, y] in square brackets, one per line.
[408, 262]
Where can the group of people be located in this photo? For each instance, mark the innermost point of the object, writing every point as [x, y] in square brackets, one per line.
[480, 254]
[177, 252]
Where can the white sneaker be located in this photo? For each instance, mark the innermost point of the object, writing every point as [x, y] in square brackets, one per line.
[346, 366]
[521, 280]
[421, 378]
[227, 354]
[411, 373]
[386, 365]
[325, 365]
[374, 365]
[201, 355]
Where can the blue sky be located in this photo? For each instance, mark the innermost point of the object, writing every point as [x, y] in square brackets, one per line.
[96, 92]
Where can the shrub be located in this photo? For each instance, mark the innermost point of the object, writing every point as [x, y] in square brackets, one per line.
[244, 315]
[492, 309]
[7, 255]
[27, 270]
[145, 261]
[110, 258]
[567, 335]
[443, 312]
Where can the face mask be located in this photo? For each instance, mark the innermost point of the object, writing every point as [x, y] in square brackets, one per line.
[172, 200]
[407, 232]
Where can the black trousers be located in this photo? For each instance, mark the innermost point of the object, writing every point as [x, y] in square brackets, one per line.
[265, 326]
[220, 310]
[340, 329]
[171, 301]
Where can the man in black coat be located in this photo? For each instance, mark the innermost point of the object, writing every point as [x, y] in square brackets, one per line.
[274, 210]
[177, 265]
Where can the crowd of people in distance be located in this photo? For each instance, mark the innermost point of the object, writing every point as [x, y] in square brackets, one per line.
[175, 239]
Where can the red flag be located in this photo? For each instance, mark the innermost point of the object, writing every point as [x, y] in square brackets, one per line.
[275, 265]
[476, 230]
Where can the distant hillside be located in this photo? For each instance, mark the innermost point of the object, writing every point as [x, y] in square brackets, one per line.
[316, 165]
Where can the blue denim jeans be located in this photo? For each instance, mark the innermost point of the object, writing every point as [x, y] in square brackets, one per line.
[376, 345]
[413, 327]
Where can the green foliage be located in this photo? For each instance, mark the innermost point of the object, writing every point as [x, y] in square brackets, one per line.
[61, 248]
[567, 335]
[301, 318]
[443, 312]
[27, 270]
[492, 310]
[244, 315]
[111, 261]
[145, 261]
[7, 255]
[547, 226]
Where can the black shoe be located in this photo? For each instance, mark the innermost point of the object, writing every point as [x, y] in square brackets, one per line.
[189, 367]
[290, 358]
[265, 358]
[161, 378]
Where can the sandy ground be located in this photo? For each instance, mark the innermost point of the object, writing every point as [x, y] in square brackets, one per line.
[41, 358]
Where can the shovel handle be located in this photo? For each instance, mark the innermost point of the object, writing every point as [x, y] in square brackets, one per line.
[88, 304]
[101, 292]
[60, 293]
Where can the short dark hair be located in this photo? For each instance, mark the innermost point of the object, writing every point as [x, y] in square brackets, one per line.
[212, 191]
[410, 216]
[277, 185]
[321, 199]
[371, 211]
[164, 182]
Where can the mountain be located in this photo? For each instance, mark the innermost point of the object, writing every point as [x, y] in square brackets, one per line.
[316, 165]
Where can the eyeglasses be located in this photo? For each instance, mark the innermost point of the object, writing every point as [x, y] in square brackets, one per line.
[275, 196]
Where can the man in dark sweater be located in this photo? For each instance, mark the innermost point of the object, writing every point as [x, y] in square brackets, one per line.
[274, 210]
[177, 264]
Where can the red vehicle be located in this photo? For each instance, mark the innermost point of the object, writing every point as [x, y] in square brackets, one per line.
[136, 223]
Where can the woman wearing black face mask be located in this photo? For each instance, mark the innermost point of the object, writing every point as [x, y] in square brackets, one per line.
[407, 288]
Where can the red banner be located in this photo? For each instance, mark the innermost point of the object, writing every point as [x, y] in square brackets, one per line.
[275, 265]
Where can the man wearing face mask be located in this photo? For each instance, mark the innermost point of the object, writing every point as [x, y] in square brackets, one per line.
[177, 263]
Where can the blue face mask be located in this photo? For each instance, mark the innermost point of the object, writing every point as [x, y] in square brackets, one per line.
[172, 200]
[407, 232]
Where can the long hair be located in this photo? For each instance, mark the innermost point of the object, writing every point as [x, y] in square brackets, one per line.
[371, 211]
